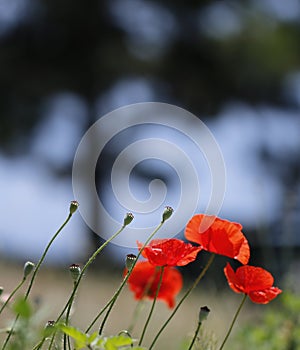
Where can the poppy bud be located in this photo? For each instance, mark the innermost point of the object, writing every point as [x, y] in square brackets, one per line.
[204, 311]
[49, 328]
[130, 260]
[50, 324]
[28, 267]
[167, 213]
[75, 271]
[1, 291]
[128, 218]
[73, 207]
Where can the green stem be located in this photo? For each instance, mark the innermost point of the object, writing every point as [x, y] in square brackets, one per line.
[91, 259]
[52, 341]
[233, 321]
[153, 305]
[195, 336]
[69, 303]
[35, 273]
[187, 293]
[12, 294]
[113, 300]
[39, 345]
[67, 338]
[138, 308]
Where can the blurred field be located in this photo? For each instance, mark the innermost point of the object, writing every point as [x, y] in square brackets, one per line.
[53, 286]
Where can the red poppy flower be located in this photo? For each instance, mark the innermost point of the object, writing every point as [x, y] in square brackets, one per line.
[256, 282]
[169, 252]
[144, 281]
[218, 236]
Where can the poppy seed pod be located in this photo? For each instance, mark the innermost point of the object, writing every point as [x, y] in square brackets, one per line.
[28, 267]
[75, 271]
[128, 218]
[1, 291]
[73, 207]
[49, 328]
[50, 324]
[130, 260]
[167, 213]
[204, 311]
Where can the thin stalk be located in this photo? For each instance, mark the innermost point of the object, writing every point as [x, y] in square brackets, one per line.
[35, 273]
[195, 336]
[13, 293]
[153, 305]
[140, 303]
[66, 337]
[91, 259]
[138, 308]
[187, 293]
[69, 302]
[233, 321]
[39, 344]
[52, 341]
[114, 298]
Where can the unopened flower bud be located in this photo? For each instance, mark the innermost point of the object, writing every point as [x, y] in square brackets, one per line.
[73, 206]
[128, 218]
[50, 324]
[28, 267]
[130, 260]
[167, 213]
[49, 328]
[75, 271]
[204, 311]
[1, 291]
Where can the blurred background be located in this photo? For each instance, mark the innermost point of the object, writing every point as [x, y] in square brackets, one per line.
[64, 64]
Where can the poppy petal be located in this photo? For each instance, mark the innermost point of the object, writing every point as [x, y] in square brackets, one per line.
[169, 252]
[264, 296]
[253, 281]
[254, 278]
[144, 280]
[233, 282]
[218, 236]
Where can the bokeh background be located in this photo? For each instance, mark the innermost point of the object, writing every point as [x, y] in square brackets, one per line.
[64, 64]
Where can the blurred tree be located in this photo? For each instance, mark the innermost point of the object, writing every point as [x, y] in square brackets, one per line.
[63, 45]
[200, 54]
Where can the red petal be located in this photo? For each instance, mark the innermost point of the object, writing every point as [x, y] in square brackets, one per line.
[144, 280]
[218, 236]
[264, 296]
[254, 281]
[254, 278]
[170, 252]
[171, 286]
[232, 280]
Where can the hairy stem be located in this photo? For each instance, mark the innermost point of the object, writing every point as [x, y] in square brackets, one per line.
[37, 267]
[187, 293]
[153, 305]
[233, 321]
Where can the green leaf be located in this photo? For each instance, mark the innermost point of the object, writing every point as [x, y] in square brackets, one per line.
[93, 338]
[117, 341]
[114, 342]
[81, 339]
[22, 307]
